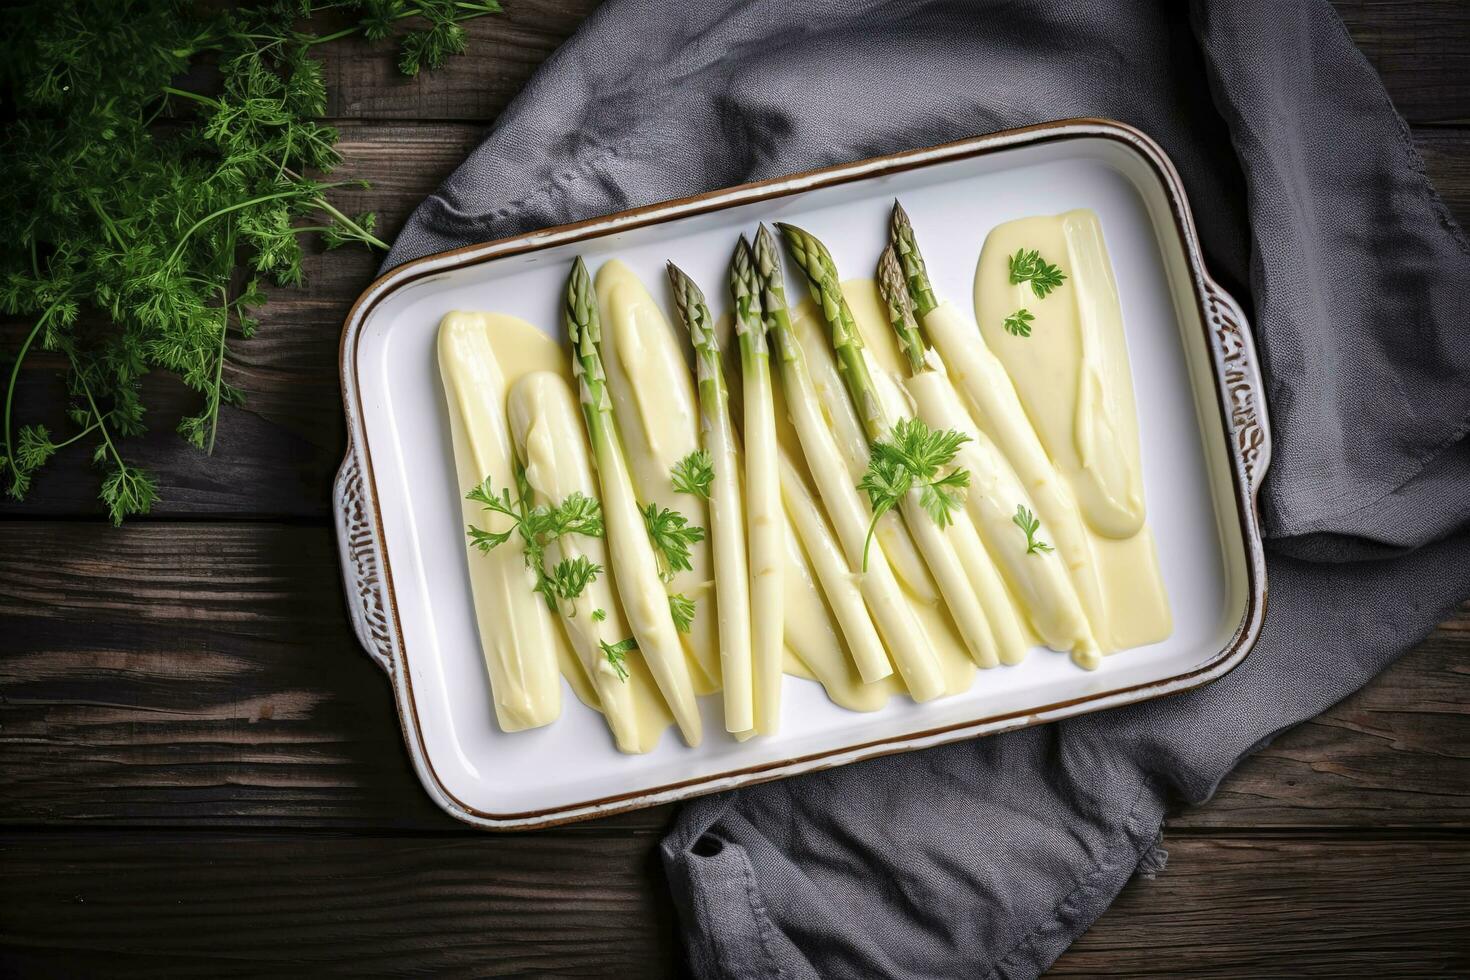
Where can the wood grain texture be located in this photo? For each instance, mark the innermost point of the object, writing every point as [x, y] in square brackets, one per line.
[205, 674]
[182, 904]
[189, 904]
[1288, 906]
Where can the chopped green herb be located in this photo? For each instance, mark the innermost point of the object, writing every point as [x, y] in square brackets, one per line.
[571, 576]
[1028, 266]
[694, 473]
[538, 527]
[598, 615]
[671, 535]
[161, 160]
[1026, 521]
[914, 456]
[1019, 323]
[681, 607]
[617, 655]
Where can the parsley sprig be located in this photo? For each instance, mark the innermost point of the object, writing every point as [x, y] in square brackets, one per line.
[537, 527]
[162, 161]
[914, 456]
[617, 655]
[681, 608]
[1019, 323]
[1028, 266]
[671, 535]
[1027, 521]
[694, 473]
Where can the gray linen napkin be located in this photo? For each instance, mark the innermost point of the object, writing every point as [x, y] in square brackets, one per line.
[990, 857]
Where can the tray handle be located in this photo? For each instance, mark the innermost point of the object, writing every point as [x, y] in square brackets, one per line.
[362, 564]
[1245, 387]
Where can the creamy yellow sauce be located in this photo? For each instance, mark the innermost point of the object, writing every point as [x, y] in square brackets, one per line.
[1053, 427]
[1071, 372]
[517, 349]
[657, 416]
[1073, 380]
[546, 426]
[521, 646]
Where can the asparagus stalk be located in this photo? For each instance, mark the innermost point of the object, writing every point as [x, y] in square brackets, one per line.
[544, 423]
[766, 522]
[727, 516]
[825, 555]
[518, 642]
[927, 384]
[891, 613]
[1055, 586]
[633, 560]
[878, 419]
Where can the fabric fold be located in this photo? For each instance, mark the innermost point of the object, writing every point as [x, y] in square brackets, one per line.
[989, 857]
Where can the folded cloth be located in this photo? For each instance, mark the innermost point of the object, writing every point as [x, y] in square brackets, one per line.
[989, 857]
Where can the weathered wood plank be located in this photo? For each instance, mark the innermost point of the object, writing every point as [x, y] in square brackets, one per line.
[277, 454]
[1421, 50]
[166, 904]
[180, 904]
[363, 81]
[1395, 35]
[1279, 906]
[204, 674]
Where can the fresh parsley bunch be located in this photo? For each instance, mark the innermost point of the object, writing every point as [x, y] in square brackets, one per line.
[161, 159]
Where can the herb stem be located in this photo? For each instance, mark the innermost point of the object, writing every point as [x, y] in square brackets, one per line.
[219, 370]
[359, 231]
[102, 424]
[15, 376]
[186, 94]
[184, 238]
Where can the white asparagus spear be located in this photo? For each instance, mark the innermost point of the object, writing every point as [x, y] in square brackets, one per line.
[927, 382]
[518, 643]
[979, 375]
[655, 404]
[644, 600]
[547, 428]
[727, 513]
[878, 423]
[975, 371]
[851, 441]
[824, 552]
[891, 613]
[765, 521]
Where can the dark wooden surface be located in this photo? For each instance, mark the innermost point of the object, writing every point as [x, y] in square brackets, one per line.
[201, 772]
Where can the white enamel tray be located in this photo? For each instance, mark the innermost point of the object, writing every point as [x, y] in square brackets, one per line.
[1201, 414]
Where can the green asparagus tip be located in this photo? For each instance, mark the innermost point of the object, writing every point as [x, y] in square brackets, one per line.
[580, 314]
[693, 310]
[894, 290]
[745, 290]
[901, 234]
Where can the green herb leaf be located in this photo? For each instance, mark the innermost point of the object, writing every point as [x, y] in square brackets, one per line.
[915, 456]
[1019, 323]
[694, 473]
[156, 154]
[1028, 266]
[671, 535]
[617, 654]
[681, 607]
[1026, 521]
[571, 576]
[598, 615]
[538, 527]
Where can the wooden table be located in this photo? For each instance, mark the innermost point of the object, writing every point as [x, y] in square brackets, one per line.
[201, 772]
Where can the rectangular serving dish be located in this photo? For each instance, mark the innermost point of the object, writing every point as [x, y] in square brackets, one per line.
[1202, 417]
